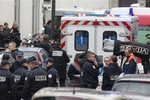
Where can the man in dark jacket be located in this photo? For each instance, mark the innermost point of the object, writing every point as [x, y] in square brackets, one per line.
[15, 34]
[36, 79]
[16, 64]
[2, 36]
[61, 59]
[53, 78]
[111, 74]
[6, 82]
[44, 43]
[146, 62]
[47, 29]
[90, 72]
[20, 74]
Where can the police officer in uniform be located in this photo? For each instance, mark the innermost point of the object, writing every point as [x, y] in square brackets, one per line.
[19, 76]
[16, 63]
[61, 59]
[6, 82]
[53, 79]
[146, 62]
[90, 72]
[36, 79]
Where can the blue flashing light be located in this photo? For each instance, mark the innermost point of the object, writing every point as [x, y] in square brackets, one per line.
[131, 11]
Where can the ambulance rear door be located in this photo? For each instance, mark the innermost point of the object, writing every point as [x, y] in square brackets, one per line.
[107, 33]
[81, 36]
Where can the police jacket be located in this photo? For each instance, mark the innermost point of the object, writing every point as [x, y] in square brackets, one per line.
[130, 65]
[89, 75]
[60, 57]
[6, 82]
[19, 76]
[15, 65]
[52, 76]
[110, 74]
[36, 80]
[145, 61]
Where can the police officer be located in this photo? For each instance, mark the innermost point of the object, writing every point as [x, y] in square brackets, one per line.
[6, 82]
[53, 79]
[61, 59]
[19, 76]
[90, 72]
[16, 63]
[146, 62]
[36, 79]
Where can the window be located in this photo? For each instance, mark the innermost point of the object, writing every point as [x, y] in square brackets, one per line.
[121, 87]
[108, 40]
[132, 87]
[142, 31]
[81, 40]
[44, 54]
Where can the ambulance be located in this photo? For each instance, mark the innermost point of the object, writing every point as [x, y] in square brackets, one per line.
[91, 33]
[143, 16]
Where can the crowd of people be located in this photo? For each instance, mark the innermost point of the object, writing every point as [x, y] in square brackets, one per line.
[9, 34]
[23, 77]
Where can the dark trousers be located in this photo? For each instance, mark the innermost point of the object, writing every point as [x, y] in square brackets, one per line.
[146, 67]
[62, 82]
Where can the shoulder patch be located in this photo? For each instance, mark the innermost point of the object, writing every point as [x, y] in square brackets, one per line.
[26, 78]
[41, 78]
[17, 78]
[50, 76]
[2, 79]
[94, 67]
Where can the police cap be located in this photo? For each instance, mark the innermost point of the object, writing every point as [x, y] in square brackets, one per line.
[31, 59]
[18, 53]
[4, 62]
[49, 60]
[24, 60]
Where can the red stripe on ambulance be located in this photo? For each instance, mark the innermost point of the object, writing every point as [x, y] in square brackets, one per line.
[76, 22]
[106, 23]
[85, 23]
[64, 24]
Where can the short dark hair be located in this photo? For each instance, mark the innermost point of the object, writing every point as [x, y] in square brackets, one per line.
[89, 53]
[114, 58]
[5, 23]
[48, 22]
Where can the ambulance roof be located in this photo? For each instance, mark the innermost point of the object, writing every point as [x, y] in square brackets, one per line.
[125, 10]
[121, 18]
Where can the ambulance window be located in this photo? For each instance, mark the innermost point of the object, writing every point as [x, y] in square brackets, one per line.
[108, 40]
[81, 40]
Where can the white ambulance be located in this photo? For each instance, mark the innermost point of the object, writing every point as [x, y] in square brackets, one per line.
[92, 33]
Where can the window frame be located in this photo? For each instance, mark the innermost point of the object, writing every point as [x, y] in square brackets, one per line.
[75, 47]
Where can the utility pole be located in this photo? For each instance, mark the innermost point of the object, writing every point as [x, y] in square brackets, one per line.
[53, 17]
